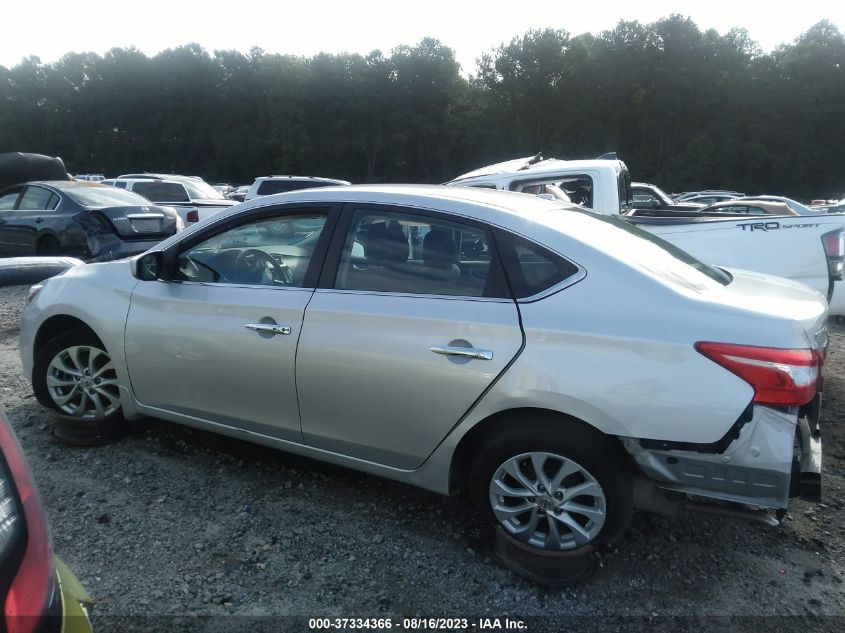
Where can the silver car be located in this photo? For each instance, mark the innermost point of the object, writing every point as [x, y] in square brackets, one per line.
[561, 367]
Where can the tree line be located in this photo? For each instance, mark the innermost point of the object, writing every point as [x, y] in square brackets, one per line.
[685, 108]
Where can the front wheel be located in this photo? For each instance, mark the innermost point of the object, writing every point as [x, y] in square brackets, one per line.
[74, 375]
[555, 487]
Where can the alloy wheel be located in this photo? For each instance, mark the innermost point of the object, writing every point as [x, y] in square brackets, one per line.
[548, 501]
[82, 382]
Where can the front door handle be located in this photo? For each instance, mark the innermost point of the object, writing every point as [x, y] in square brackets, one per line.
[268, 328]
[39, 220]
[464, 352]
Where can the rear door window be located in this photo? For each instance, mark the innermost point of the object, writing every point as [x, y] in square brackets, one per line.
[37, 199]
[411, 253]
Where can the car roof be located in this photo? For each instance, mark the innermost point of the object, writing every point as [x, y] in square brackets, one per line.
[153, 176]
[298, 178]
[482, 204]
[63, 185]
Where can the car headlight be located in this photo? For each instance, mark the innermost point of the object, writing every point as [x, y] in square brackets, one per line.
[33, 292]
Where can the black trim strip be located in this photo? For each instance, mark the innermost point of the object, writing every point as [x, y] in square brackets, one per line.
[719, 446]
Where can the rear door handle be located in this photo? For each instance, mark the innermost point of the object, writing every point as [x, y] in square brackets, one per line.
[39, 220]
[465, 352]
[268, 328]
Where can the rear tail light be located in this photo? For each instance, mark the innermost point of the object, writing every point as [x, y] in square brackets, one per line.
[834, 248]
[24, 541]
[193, 216]
[781, 377]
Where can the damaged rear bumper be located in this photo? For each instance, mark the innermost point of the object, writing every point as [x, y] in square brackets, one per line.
[108, 247]
[777, 455]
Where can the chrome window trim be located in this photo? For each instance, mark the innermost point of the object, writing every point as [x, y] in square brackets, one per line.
[563, 284]
[53, 191]
[414, 295]
[145, 216]
[218, 284]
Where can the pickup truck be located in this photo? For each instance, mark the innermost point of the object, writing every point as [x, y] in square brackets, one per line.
[810, 250]
[192, 198]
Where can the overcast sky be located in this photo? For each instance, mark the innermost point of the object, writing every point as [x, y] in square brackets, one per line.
[50, 28]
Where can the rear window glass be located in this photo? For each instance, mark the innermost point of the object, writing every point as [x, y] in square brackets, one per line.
[269, 187]
[531, 268]
[200, 190]
[104, 196]
[654, 264]
[161, 191]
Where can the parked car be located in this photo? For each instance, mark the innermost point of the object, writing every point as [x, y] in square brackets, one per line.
[797, 207]
[82, 219]
[39, 592]
[652, 197]
[90, 177]
[836, 207]
[193, 199]
[550, 360]
[238, 194]
[268, 185]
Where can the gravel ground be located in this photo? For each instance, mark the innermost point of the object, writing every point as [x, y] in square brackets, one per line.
[177, 522]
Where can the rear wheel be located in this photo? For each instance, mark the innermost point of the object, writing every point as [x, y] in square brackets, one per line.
[49, 245]
[74, 375]
[553, 485]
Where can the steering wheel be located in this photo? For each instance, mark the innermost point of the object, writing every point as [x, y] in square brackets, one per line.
[255, 263]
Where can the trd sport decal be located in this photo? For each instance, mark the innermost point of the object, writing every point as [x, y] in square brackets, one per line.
[772, 226]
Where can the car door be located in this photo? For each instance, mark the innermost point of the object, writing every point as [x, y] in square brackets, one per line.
[216, 340]
[411, 324]
[8, 245]
[19, 227]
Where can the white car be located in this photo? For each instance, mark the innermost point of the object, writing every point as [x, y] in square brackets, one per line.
[560, 365]
[269, 185]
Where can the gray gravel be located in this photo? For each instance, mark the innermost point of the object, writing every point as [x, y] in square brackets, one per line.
[177, 522]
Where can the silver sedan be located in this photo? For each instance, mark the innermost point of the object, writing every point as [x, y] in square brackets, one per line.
[559, 366]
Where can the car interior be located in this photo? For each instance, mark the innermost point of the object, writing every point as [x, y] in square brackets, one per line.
[414, 254]
[272, 252]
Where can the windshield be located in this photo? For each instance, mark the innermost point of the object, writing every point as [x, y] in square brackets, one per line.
[104, 196]
[201, 189]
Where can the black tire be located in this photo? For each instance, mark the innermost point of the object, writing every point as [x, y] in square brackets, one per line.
[80, 431]
[49, 245]
[599, 455]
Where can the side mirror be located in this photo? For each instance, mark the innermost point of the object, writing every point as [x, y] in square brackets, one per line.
[149, 266]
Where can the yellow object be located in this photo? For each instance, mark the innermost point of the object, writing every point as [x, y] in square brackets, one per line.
[76, 603]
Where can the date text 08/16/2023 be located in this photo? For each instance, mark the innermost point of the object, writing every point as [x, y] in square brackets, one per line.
[418, 624]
